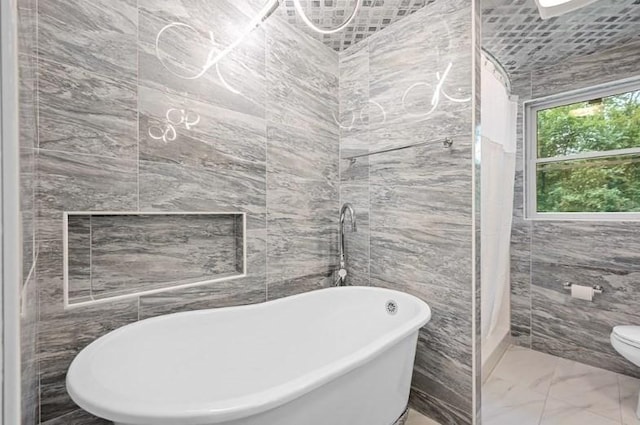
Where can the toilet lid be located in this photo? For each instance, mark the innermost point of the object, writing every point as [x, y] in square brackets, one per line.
[628, 334]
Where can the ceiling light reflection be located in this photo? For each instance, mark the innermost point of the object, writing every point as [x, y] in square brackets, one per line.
[437, 93]
[174, 117]
[215, 55]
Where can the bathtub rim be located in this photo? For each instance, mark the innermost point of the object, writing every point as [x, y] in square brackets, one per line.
[253, 403]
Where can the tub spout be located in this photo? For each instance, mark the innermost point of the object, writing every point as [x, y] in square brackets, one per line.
[342, 273]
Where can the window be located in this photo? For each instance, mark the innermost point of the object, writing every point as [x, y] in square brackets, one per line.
[583, 154]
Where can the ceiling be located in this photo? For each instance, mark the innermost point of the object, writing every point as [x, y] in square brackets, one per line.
[374, 16]
[514, 33]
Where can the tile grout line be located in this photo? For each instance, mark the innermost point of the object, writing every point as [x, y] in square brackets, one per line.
[368, 132]
[90, 257]
[546, 399]
[138, 111]
[339, 120]
[620, 400]
[267, 51]
[530, 226]
[36, 212]
[128, 80]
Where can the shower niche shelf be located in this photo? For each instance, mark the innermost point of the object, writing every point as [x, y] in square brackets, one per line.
[117, 255]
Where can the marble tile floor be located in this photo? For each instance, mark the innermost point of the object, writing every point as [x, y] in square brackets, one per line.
[416, 418]
[532, 388]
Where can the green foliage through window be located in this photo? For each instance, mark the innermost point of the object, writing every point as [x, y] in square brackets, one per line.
[604, 184]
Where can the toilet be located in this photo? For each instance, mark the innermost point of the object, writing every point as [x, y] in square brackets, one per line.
[626, 341]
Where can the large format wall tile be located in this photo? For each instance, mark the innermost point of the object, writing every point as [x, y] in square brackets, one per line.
[355, 108]
[443, 359]
[404, 74]
[247, 290]
[289, 287]
[354, 140]
[184, 50]
[306, 156]
[126, 254]
[28, 350]
[302, 205]
[302, 81]
[439, 256]
[586, 254]
[420, 207]
[621, 294]
[97, 35]
[28, 138]
[520, 250]
[431, 165]
[173, 188]
[566, 327]
[594, 244]
[293, 52]
[417, 201]
[79, 260]
[84, 112]
[63, 333]
[27, 28]
[295, 103]
[69, 182]
[220, 138]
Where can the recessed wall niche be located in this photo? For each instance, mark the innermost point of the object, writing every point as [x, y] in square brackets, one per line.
[111, 256]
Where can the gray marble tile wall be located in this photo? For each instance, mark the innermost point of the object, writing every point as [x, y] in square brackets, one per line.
[415, 205]
[354, 140]
[302, 160]
[544, 254]
[520, 230]
[114, 255]
[266, 144]
[28, 120]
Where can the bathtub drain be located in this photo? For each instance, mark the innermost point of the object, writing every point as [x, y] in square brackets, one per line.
[392, 307]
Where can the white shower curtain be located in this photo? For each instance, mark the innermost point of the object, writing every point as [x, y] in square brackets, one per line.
[498, 172]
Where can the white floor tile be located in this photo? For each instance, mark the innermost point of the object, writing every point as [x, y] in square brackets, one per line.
[416, 418]
[560, 413]
[508, 403]
[528, 368]
[629, 389]
[531, 388]
[586, 387]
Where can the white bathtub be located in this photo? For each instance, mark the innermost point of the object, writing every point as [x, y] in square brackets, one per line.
[330, 357]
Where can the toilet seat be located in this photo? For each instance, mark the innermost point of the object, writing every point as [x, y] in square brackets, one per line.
[629, 335]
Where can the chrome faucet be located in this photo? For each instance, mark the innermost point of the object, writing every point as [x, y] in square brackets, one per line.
[342, 272]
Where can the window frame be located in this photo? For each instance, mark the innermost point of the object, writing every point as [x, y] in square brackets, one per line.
[530, 149]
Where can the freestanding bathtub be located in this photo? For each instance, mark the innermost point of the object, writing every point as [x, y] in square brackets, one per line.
[338, 356]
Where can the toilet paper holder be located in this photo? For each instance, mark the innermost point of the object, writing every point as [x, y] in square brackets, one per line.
[597, 289]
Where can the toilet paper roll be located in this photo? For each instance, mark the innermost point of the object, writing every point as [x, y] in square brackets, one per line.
[582, 292]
